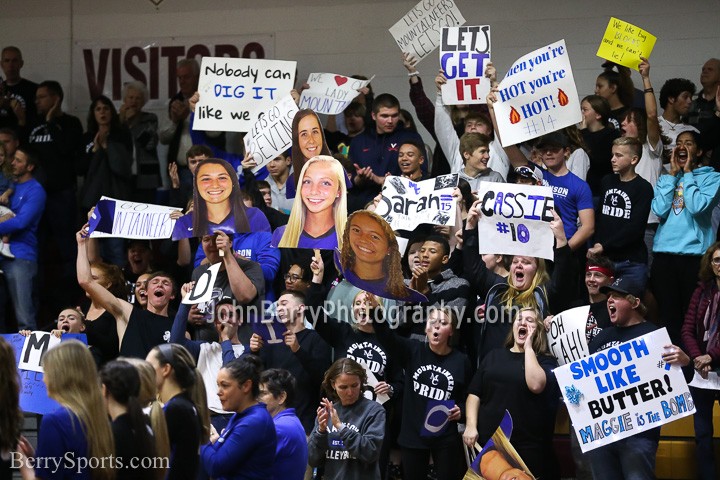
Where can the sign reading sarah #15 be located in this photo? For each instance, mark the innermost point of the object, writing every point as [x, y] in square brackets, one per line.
[515, 219]
[406, 204]
[624, 390]
[537, 95]
[233, 91]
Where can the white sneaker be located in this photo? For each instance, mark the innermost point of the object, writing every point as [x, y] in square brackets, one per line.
[5, 250]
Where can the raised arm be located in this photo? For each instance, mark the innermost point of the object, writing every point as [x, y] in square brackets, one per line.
[516, 157]
[653, 127]
[100, 296]
[444, 130]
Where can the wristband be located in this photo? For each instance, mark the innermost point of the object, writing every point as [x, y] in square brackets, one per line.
[649, 90]
[414, 74]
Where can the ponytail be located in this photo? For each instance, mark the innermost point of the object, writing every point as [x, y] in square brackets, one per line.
[198, 395]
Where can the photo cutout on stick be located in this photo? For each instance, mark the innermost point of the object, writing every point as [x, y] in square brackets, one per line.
[319, 212]
[370, 258]
[217, 203]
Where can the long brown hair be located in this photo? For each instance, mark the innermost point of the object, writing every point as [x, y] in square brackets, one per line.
[148, 397]
[72, 380]
[188, 378]
[346, 366]
[298, 159]
[539, 341]
[200, 213]
[391, 264]
[11, 419]
[706, 273]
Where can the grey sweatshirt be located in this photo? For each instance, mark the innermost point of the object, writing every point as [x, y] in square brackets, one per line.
[351, 453]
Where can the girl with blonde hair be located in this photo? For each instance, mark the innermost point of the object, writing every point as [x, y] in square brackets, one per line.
[148, 398]
[319, 213]
[80, 428]
[517, 378]
[182, 390]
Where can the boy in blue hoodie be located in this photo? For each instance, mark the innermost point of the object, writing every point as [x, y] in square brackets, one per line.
[684, 201]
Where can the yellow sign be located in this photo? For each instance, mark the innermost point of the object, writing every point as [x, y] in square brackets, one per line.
[624, 43]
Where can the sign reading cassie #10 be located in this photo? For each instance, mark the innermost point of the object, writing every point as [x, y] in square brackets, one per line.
[464, 53]
[233, 91]
[623, 390]
[418, 31]
[515, 219]
[537, 95]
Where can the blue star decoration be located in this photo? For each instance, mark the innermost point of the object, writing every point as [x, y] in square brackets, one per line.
[573, 395]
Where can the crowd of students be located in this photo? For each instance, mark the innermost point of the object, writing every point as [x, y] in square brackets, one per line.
[337, 389]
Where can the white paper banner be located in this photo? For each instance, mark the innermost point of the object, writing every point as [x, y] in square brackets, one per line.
[418, 32]
[272, 133]
[710, 383]
[566, 337]
[203, 289]
[140, 221]
[234, 91]
[35, 346]
[623, 390]
[464, 53]
[330, 93]
[515, 219]
[406, 204]
[537, 95]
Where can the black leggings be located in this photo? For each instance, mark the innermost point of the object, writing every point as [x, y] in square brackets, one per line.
[448, 460]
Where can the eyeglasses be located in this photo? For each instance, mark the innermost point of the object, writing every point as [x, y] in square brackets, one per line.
[716, 261]
[292, 277]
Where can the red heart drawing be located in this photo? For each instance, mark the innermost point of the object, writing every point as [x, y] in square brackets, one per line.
[339, 79]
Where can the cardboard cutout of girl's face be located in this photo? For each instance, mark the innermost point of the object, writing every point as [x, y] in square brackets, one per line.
[319, 188]
[319, 212]
[370, 260]
[217, 199]
[310, 137]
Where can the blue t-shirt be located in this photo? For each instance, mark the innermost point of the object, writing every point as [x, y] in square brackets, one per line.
[291, 456]
[571, 194]
[245, 449]
[62, 439]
